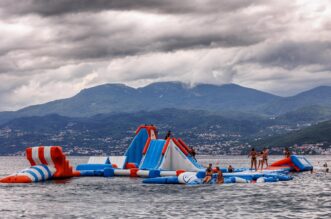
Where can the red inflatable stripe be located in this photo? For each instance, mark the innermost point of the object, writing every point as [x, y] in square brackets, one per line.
[133, 172]
[29, 156]
[165, 146]
[178, 172]
[41, 155]
[283, 162]
[180, 146]
[184, 145]
[146, 146]
[130, 165]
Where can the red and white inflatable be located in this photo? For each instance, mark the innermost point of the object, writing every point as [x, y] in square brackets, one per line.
[46, 163]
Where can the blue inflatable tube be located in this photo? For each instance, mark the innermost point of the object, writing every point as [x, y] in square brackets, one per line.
[162, 180]
[91, 173]
[81, 167]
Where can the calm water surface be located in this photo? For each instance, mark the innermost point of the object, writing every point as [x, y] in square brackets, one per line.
[307, 196]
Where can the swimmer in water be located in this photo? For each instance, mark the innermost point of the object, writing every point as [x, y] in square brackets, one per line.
[326, 167]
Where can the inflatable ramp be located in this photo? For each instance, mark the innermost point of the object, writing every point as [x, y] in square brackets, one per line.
[46, 163]
[294, 162]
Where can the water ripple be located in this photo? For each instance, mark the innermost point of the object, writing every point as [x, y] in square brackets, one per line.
[307, 196]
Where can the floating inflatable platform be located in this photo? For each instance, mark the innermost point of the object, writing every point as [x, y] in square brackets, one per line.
[46, 163]
[243, 177]
[169, 161]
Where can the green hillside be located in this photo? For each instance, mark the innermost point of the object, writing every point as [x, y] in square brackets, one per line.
[311, 135]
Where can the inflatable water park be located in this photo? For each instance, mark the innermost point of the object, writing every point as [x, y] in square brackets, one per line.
[157, 160]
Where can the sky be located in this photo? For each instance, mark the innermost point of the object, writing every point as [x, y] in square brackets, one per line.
[52, 49]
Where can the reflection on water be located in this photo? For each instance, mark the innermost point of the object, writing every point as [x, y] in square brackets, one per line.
[307, 196]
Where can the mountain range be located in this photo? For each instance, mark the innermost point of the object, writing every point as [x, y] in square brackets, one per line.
[118, 98]
[215, 118]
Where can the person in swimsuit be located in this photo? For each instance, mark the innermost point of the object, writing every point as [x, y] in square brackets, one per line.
[230, 169]
[265, 157]
[220, 178]
[260, 160]
[209, 174]
[287, 153]
[253, 155]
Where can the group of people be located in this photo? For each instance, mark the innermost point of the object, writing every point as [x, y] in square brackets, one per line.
[261, 156]
[209, 175]
[255, 156]
[218, 172]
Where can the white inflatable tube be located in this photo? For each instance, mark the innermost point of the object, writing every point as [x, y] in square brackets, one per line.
[143, 173]
[121, 172]
[168, 173]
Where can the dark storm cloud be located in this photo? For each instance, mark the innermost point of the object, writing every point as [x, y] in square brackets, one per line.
[53, 48]
[292, 54]
[89, 36]
[58, 7]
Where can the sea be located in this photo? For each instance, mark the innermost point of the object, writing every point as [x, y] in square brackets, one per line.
[307, 196]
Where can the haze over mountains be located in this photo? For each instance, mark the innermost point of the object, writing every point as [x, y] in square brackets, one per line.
[226, 116]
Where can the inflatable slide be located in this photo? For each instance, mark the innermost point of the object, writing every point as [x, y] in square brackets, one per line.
[169, 161]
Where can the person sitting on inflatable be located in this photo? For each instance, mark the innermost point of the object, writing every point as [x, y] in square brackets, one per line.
[230, 169]
[220, 178]
[209, 174]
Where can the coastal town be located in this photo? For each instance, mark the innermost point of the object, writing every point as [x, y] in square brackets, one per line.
[205, 143]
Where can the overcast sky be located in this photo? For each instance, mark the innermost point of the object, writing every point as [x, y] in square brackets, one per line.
[52, 49]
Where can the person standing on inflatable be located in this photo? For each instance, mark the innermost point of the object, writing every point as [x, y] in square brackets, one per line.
[265, 157]
[287, 153]
[260, 160]
[168, 135]
[253, 155]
